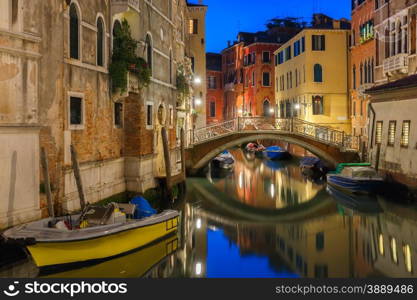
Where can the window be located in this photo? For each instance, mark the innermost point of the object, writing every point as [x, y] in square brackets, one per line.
[149, 52]
[266, 80]
[193, 26]
[266, 57]
[405, 134]
[391, 132]
[297, 48]
[319, 42]
[100, 42]
[170, 65]
[212, 84]
[253, 58]
[320, 241]
[76, 113]
[303, 44]
[74, 32]
[149, 115]
[118, 115]
[378, 134]
[288, 53]
[318, 105]
[354, 77]
[192, 63]
[318, 73]
[253, 78]
[280, 57]
[212, 109]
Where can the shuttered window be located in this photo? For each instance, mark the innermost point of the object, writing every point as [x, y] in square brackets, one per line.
[378, 133]
[391, 132]
[405, 134]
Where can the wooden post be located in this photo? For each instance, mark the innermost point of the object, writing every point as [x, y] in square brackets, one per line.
[47, 182]
[77, 175]
[167, 160]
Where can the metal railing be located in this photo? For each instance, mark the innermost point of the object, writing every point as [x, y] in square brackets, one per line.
[323, 134]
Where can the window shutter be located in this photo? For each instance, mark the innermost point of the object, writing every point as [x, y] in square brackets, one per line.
[323, 42]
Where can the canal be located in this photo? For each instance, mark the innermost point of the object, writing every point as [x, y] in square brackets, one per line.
[265, 219]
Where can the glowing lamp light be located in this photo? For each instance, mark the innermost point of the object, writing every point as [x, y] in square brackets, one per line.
[198, 269]
[198, 101]
[297, 106]
[198, 223]
[197, 80]
[271, 110]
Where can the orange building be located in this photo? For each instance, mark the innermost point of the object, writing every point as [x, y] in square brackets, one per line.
[362, 66]
[214, 88]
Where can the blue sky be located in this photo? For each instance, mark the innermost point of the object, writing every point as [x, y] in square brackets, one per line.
[226, 18]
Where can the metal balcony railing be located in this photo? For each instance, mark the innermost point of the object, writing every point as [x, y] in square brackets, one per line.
[322, 134]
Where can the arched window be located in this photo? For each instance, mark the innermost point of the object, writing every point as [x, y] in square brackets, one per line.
[74, 32]
[366, 72]
[318, 73]
[149, 51]
[399, 37]
[387, 43]
[377, 49]
[372, 71]
[100, 42]
[266, 108]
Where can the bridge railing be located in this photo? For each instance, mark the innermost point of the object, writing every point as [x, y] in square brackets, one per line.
[296, 126]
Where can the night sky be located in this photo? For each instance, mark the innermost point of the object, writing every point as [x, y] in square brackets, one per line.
[226, 18]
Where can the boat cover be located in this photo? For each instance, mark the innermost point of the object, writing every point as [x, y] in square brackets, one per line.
[143, 208]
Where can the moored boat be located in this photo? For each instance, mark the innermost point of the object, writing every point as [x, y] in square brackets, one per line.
[276, 153]
[313, 167]
[224, 160]
[97, 233]
[356, 179]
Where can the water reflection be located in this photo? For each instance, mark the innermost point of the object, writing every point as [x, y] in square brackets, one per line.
[278, 224]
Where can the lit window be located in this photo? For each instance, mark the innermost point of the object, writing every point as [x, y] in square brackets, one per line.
[378, 134]
[391, 132]
[405, 134]
[394, 255]
[193, 26]
[407, 258]
[318, 105]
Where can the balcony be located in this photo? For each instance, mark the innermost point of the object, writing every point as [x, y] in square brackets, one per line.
[119, 6]
[396, 64]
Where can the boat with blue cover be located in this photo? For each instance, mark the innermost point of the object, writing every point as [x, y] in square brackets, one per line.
[356, 178]
[276, 153]
[224, 160]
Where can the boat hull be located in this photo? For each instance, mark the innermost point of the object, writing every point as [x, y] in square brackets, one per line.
[355, 186]
[50, 254]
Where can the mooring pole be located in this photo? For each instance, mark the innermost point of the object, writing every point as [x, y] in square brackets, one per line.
[47, 182]
[167, 159]
[77, 175]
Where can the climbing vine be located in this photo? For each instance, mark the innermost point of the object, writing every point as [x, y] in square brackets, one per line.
[184, 75]
[124, 59]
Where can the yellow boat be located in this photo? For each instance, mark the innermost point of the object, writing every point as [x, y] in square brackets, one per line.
[133, 265]
[52, 247]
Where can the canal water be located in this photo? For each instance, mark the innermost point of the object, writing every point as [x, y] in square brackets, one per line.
[265, 219]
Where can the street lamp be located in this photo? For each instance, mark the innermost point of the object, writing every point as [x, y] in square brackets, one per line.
[197, 80]
[297, 106]
[198, 101]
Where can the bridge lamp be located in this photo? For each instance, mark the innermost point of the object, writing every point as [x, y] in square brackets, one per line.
[197, 80]
[198, 101]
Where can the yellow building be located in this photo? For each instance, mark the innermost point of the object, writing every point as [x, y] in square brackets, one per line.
[311, 77]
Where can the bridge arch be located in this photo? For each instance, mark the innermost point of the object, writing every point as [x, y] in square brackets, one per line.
[231, 142]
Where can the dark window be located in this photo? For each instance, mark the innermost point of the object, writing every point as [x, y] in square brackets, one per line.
[266, 57]
[192, 63]
[319, 42]
[76, 111]
[170, 65]
[354, 77]
[266, 80]
[288, 53]
[118, 115]
[149, 51]
[303, 44]
[149, 115]
[74, 32]
[320, 271]
[320, 241]
[297, 48]
[318, 105]
[193, 26]
[212, 109]
[318, 73]
[100, 42]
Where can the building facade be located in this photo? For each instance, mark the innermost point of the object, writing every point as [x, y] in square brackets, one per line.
[362, 67]
[214, 107]
[311, 76]
[58, 92]
[392, 138]
[197, 48]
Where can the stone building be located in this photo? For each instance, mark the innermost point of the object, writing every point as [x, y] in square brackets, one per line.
[55, 60]
[196, 27]
[362, 50]
[392, 139]
[215, 92]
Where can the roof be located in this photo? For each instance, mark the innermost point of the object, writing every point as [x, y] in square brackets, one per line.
[406, 82]
[213, 61]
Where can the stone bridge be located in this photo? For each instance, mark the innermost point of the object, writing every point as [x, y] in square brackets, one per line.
[332, 145]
